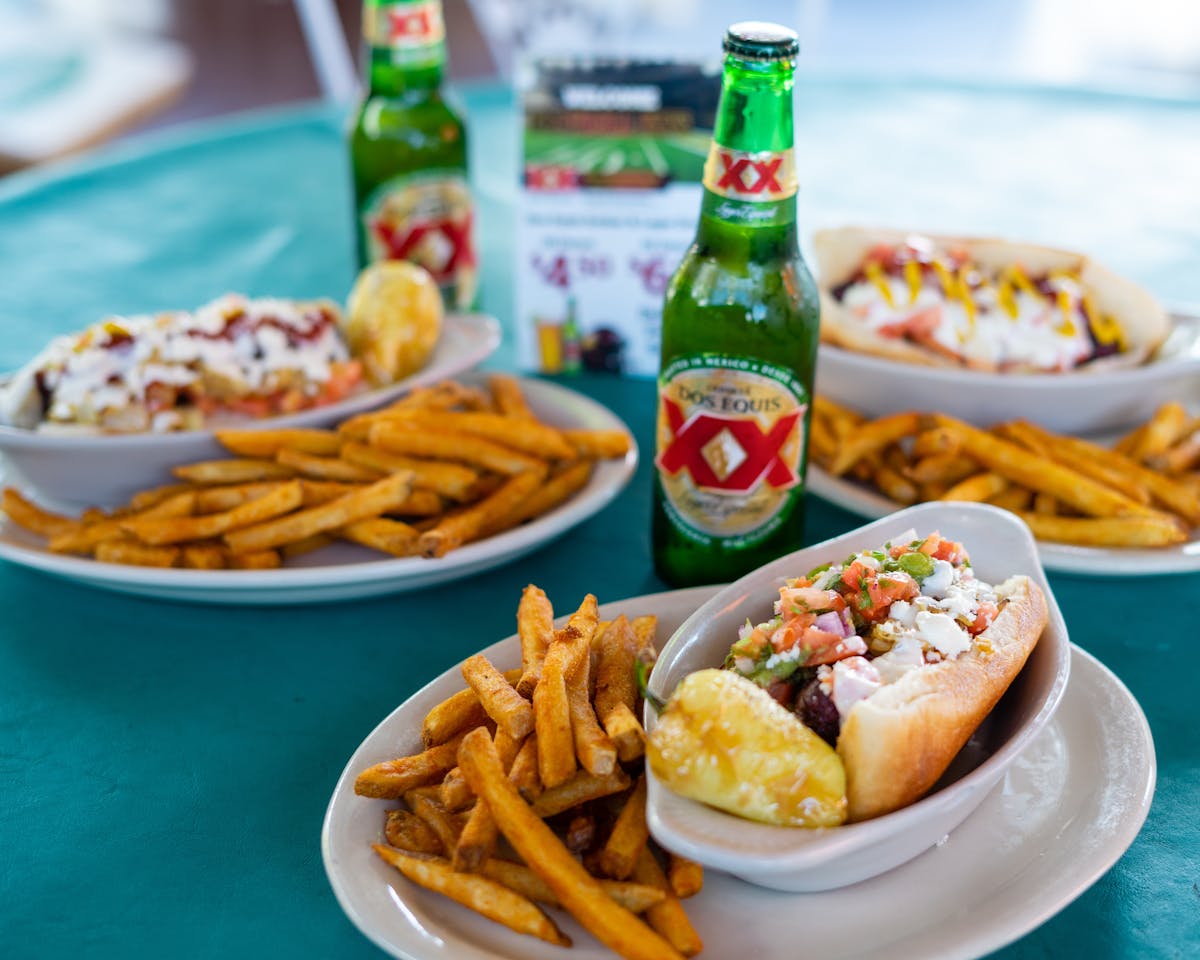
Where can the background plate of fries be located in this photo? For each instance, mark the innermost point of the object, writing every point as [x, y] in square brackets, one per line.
[1077, 402]
[441, 495]
[1066, 810]
[85, 469]
[1125, 505]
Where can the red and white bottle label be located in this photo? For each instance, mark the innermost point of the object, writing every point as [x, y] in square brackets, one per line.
[761, 176]
[729, 446]
[405, 26]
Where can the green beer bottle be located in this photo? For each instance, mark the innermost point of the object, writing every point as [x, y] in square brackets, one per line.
[408, 151]
[739, 338]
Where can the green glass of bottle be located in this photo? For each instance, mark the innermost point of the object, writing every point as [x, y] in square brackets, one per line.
[408, 151]
[739, 338]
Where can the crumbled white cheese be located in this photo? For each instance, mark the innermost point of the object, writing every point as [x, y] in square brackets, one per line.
[942, 632]
[937, 583]
[853, 679]
[903, 613]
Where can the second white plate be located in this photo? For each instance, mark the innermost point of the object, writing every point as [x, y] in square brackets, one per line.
[1061, 557]
[345, 571]
[1063, 814]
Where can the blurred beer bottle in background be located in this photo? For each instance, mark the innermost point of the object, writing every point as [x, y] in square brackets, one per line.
[739, 338]
[408, 152]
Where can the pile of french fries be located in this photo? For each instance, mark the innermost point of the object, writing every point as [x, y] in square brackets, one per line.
[531, 790]
[441, 467]
[1143, 492]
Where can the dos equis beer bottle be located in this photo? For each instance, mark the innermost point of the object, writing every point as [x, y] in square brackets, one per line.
[739, 338]
[408, 151]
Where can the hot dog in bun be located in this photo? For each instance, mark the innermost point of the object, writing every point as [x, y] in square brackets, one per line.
[984, 304]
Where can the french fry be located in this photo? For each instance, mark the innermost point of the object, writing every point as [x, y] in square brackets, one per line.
[945, 468]
[160, 530]
[1162, 431]
[467, 524]
[25, 513]
[451, 480]
[245, 470]
[455, 793]
[597, 754]
[579, 892]
[552, 719]
[486, 897]
[1182, 456]
[136, 554]
[219, 499]
[392, 779]
[203, 556]
[511, 712]
[265, 444]
[1046, 444]
[256, 560]
[635, 897]
[535, 627]
[616, 689]
[629, 835]
[145, 499]
[457, 713]
[372, 500]
[527, 436]
[563, 485]
[406, 831]
[1151, 531]
[597, 444]
[895, 485]
[446, 825]
[317, 492]
[477, 841]
[317, 467]
[524, 772]
[841, 419]
[580, 788]
[872, 437]
[298, 548]
[1045, 504]
[400, 437]
[383, 534]
[1013, 499]
[507, 396]
[86, 538]
[982, 486]
[668, 917]
[1019, 465]
[933, 442]
[685, 877]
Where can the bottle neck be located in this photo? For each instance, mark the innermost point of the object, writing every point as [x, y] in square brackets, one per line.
[750, 175]
[406, 46]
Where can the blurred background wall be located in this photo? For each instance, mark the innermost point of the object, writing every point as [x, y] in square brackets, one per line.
[78, 72]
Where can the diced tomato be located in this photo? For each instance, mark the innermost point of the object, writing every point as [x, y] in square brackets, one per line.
[344, 378]
[985, 613]
[823, 647]
[919, 325]
[251, 406]
[940, 548]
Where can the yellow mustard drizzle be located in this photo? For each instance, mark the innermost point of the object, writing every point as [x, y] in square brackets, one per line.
[1022, 281]
[1066, 307]
[964, 293]
[1104, 325]
[944, 275]
[1005, 295]
[876, 275]
[912, 274]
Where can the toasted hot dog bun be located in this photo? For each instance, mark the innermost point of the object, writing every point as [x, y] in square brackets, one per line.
[841, 252]
[897, 742]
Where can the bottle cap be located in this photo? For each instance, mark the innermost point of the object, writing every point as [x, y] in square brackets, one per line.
[756, 40]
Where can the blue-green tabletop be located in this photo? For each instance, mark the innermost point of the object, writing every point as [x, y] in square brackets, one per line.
[164, 767]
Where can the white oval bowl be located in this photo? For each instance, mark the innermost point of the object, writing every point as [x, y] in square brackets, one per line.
[72, 470]
[798, 859]
[1077, 402]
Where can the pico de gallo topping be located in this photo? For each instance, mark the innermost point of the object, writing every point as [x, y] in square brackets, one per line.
[231, 359]
[845, 629]
[987, 319]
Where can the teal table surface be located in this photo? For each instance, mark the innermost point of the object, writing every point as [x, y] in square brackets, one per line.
[164, 767]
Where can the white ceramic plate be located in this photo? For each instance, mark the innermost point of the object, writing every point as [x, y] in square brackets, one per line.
[1062, 557]
[1081, 402]
[1063, 814]
[85, 470]
[345, 571]
[785, 858]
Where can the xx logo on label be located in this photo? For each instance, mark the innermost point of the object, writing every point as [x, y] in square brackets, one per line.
[410, 24]
[756, 454]
[732, 176]
[452, 237]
